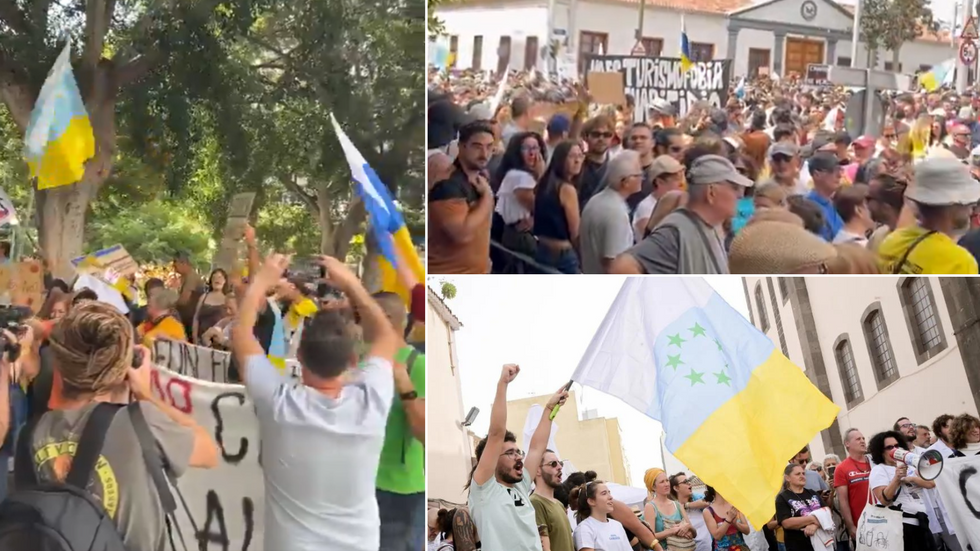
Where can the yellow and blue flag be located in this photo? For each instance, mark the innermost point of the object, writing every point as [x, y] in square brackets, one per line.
[686, 62]
[938, 75]
[734, 409]
[59, 138]
[385, 221]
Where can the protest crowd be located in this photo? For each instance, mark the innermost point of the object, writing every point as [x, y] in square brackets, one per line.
[527, 175]
[96, 454]
[522, 499]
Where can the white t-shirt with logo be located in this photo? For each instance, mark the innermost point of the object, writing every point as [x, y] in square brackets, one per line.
[910, 496]
[504, 517]
[601, 536]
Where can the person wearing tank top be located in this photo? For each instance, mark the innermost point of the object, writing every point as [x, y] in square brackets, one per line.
[556, 210]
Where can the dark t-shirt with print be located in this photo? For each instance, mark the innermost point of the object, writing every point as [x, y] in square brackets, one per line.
[792, 505]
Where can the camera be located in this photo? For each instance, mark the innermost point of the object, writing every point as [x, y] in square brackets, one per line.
[12, 319]
[830, 471]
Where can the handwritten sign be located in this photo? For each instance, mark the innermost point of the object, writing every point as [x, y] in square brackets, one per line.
[227, 503]
[115, 258]
[205, 364]
[959, 486]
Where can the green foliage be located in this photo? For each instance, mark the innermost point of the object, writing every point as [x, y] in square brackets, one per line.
[151, 233]
[285, 224]
[447, 290]
[890, 23]
[434, 24]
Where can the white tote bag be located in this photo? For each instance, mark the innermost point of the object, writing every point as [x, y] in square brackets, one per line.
[879, 528]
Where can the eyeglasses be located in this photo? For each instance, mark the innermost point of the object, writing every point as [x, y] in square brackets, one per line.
[552, 464]
[679, 482]
[530, 149]
[518, 454]
[601, 134]
[905, 425]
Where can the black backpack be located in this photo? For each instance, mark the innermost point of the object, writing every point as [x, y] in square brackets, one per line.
[56, 516]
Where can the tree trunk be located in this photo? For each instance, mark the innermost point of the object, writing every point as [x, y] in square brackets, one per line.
[895, 62]
[335, 235]
[370, 269]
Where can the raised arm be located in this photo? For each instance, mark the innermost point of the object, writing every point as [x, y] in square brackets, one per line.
[539, 440]
[498, 428]
[384, 339]
[243, 342]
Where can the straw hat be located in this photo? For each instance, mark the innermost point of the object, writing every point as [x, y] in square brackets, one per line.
[777, 243]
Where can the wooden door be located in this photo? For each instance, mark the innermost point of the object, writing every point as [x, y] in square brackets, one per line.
[801, 52]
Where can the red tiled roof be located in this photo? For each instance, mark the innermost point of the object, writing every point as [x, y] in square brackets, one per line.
[704, 6]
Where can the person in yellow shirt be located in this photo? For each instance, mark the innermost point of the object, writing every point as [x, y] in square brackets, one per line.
[162, 320]
[943, 195]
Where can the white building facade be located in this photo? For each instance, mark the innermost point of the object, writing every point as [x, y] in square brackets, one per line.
[881, 348]
[448, 457]
[782, 36]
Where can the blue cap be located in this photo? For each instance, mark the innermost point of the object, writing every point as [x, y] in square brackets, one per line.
[559, 124]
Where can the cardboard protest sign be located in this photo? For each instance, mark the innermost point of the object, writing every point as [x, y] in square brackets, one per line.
[607, 88]
[115, 258]
[650, 78]
[817, 75]
[23, 282]
[238, 211]
[227, 503]
[959, 487]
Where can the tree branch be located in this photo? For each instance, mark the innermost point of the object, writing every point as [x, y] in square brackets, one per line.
[14, 17]
[310, 201]
[96, 26]
[136, 68]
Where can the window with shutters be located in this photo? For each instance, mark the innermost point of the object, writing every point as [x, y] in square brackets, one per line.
[531, 52]
[701, 51]
[653, 46]
[477, 52]
[847, 369]
[922, 317]
[879, 346]
[590, 43]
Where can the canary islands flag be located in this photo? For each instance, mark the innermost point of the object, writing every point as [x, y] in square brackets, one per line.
[385, 221]
[59, 138]
[937, 75]
[686, 62]
[734, 409]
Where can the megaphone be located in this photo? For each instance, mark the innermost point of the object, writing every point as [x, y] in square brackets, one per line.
[928, 465]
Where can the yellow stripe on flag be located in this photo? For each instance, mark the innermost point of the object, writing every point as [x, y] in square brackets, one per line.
[64, 159]
[744, 446]
[407, 253]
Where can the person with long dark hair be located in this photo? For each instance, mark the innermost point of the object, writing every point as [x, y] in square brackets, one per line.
[212, 305]
[518, 173]
[893, 483]
[727, 525]
[556, 209]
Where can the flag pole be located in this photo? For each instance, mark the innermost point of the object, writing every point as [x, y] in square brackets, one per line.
[554, 411]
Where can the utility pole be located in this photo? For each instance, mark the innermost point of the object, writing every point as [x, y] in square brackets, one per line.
[639, 27]
[856, 33]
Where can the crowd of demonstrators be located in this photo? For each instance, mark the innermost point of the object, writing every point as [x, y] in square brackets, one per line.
[523, 500]
[76, 382]
[770, 183]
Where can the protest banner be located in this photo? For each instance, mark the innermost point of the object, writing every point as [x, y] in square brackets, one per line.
[959, 486]
[650, 78]
[817, 75]
[227, 503]
[199, 362]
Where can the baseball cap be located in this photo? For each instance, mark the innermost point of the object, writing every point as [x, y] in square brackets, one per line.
[865, 142]
[662, 106]
[788, 149]
[711, 169]
[823, 162]
[558, 124]
[664, 164]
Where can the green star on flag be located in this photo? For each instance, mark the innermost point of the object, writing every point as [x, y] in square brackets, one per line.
[697, 330]
[674, 361]
[723, 379]
[676, 339]
[719, 345]
[694, 377]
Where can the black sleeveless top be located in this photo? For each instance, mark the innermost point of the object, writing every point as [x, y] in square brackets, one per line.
[549, 216]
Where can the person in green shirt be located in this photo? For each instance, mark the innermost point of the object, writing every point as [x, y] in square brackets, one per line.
[401, 472]
[549, 513]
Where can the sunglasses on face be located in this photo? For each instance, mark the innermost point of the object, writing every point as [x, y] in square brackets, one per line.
[601, 134]
[514, 453]
[781, 158]
[552, 464]
[890, 448]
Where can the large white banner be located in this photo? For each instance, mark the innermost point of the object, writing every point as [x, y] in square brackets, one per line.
[959, 486]
[204, 364]
[227, 502]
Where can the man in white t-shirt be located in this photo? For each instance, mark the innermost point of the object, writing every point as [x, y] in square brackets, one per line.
[667, 174]
[500, 488]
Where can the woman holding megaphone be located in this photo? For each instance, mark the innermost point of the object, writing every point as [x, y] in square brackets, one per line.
[893, 483]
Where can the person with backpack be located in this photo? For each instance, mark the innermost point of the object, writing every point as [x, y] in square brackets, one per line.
[401, 473]
[91, 474]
